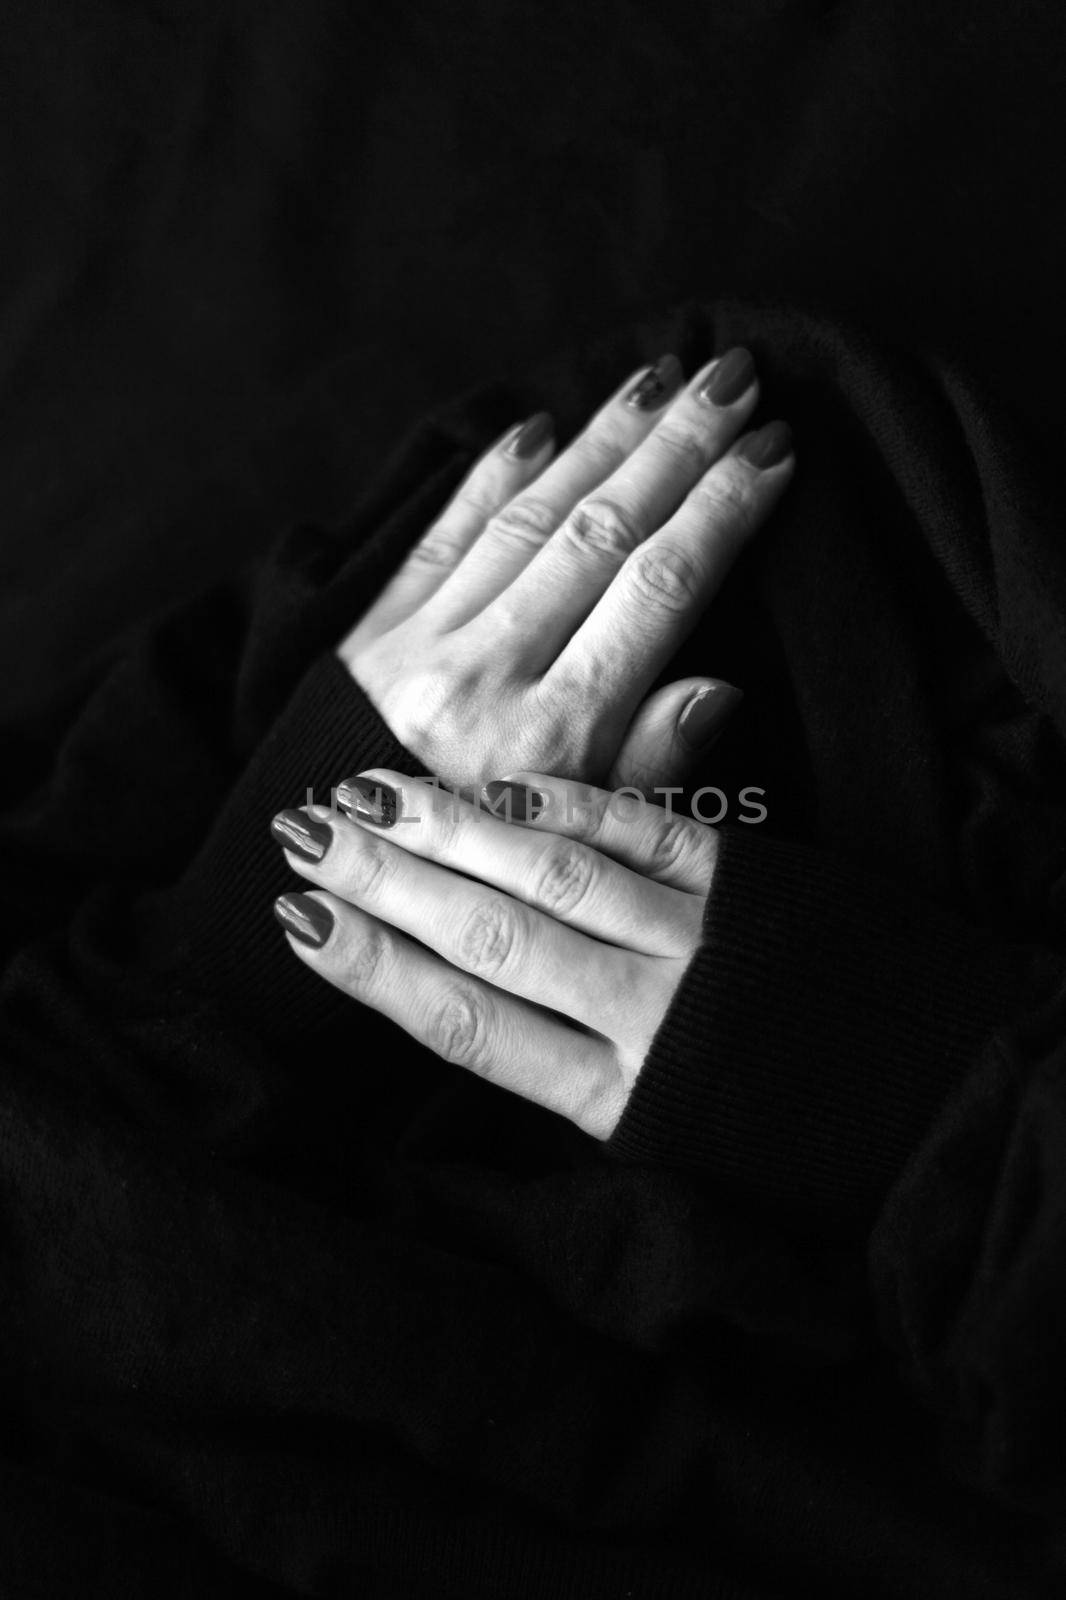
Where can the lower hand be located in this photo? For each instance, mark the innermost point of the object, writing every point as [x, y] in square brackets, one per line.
[527, 626]
[549, 950]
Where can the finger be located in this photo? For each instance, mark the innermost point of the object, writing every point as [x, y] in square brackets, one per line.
[558, 588]
[558, 880]
[483, 932]
[464, 1021]
[519, 528]
[651, 839]
[496, 477]
[673, 730]
[663, 587]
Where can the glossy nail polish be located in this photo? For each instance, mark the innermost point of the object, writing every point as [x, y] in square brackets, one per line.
[303, 835]
[731, 378]
[768, 447]
[369, 800]
[707, 713]
[514, 802]
[532, 436]
[305, 918]
[655, 386]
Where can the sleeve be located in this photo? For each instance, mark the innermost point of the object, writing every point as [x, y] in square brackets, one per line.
[819, 1026]
[217, 924]
[137, 813]
[853, 1054]
[137, 936]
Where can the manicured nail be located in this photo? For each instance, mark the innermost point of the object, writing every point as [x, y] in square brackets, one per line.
[707, 713]
[655, 386]
[369, 800]
[306, 919]
[302, 834]
[526, 440]
[732, 377]
[767, 447]
[515, 802]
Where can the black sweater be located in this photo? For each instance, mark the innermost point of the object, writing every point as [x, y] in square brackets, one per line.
[290, 1306]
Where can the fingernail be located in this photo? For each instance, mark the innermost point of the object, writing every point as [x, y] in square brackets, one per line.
[302, 835]
[369, 800]
[767, 447]
[516, 802]
[732, 377]
[655, 386]
[531, 436]
[306, 919]
[707, 713]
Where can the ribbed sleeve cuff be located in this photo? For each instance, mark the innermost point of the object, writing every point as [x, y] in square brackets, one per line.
[223, 932]
[818, 1029]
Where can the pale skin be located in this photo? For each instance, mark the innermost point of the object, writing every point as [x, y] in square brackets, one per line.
[520, 639]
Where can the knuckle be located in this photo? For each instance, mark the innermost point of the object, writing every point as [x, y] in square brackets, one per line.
[524, 521]
[486, 939]
[670, 848]
[565, 877]
[685, 447]
[445, 817]
[665, 576]
[365, 956]
[604, 451]
[459, 1029]
[596, 815]
[481, 494]
[371, 865]
[724, 499]
[602, 527]
[440, 547]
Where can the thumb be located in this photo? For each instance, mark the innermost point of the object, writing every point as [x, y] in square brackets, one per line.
[671, 731]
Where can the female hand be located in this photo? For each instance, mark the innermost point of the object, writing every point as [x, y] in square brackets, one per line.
[549, 951]
[529, 623]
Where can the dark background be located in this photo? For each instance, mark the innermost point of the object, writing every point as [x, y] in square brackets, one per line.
[244, 246]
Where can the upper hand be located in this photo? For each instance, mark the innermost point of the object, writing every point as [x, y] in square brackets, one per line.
[527, 626]
[584, 912]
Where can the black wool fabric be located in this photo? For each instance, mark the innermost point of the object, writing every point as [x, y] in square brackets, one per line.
[293, 1307]
[246, 245]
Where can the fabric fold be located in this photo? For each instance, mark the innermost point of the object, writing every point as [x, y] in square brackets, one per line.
[824, 1019]
[227, 934]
